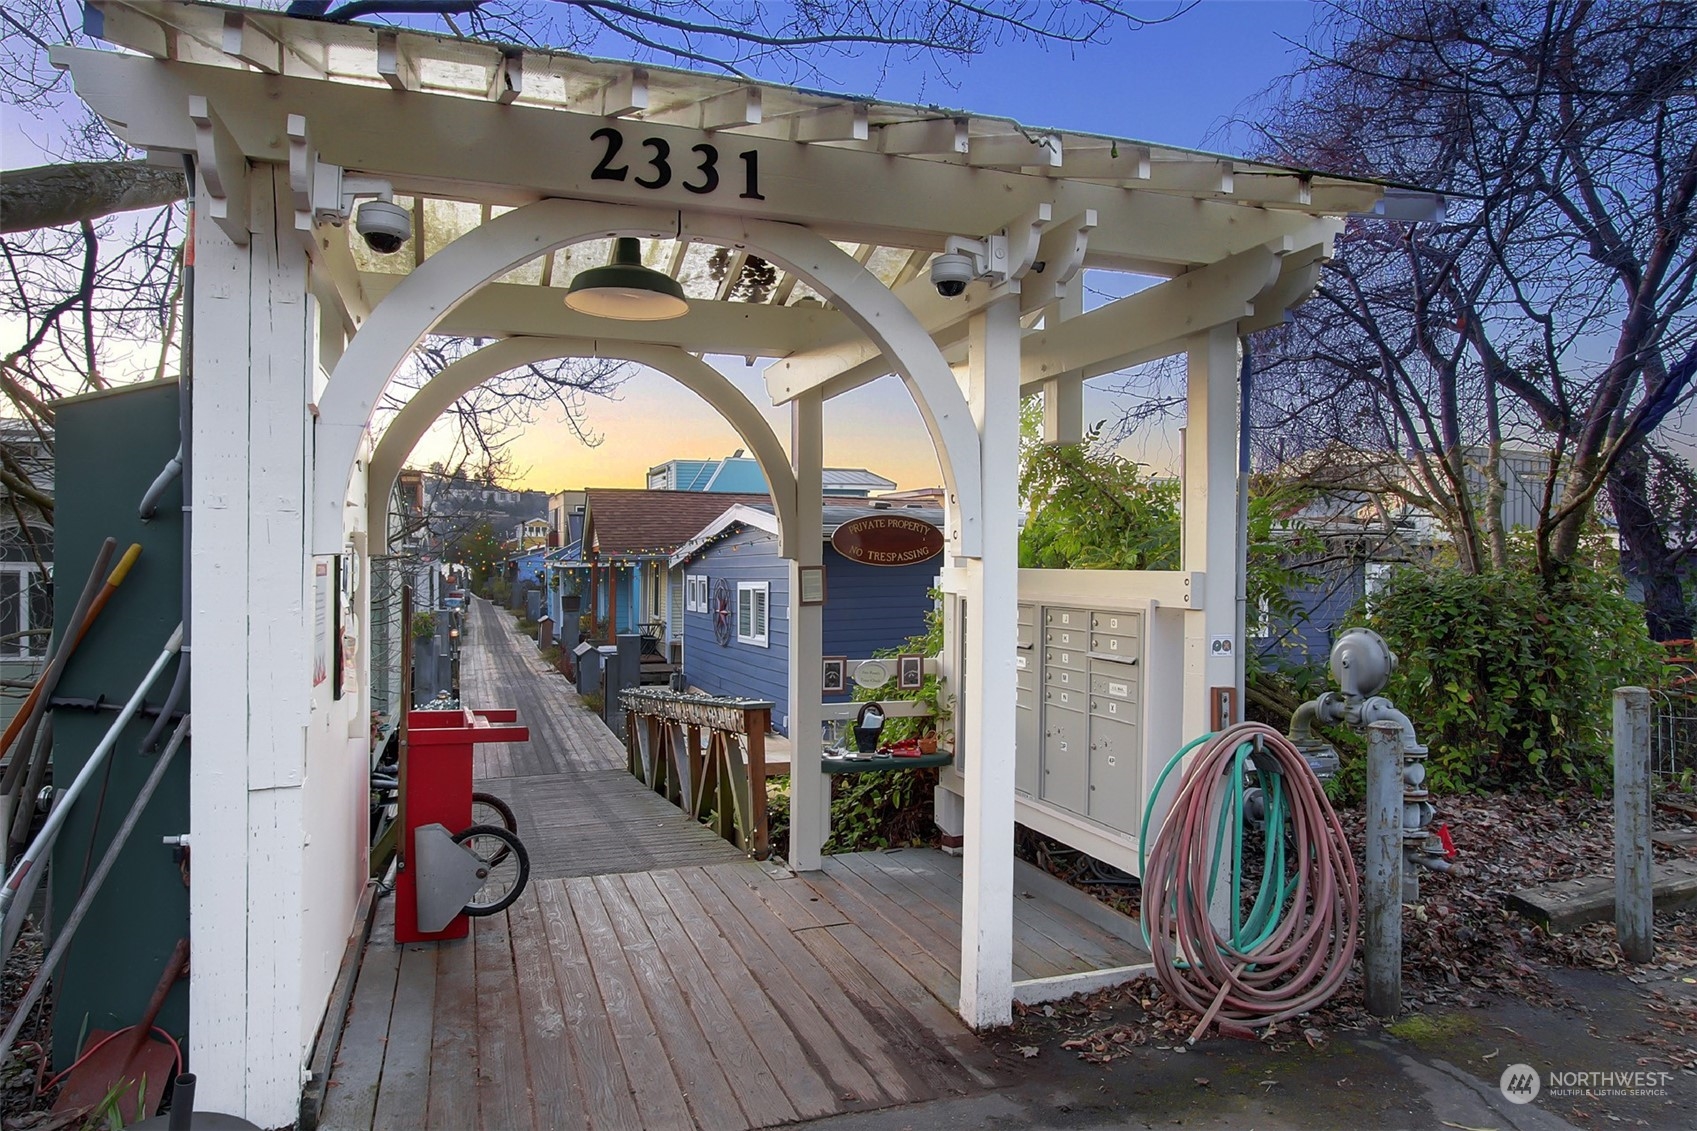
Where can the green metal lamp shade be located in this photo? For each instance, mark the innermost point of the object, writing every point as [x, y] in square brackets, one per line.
[626, 290]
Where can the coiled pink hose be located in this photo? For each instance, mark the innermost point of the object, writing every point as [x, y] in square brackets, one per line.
[1306, 956]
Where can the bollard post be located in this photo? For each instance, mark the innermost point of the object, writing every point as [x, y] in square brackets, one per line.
[1635, 922]
[1382, 892]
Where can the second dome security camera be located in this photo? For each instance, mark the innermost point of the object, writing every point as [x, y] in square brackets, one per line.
[951, 272]
[384, 225]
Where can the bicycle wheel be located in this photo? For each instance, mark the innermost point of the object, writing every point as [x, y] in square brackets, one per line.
[503, 864]
[487, 809]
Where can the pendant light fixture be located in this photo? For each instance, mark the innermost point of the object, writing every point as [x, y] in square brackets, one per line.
[626, 290]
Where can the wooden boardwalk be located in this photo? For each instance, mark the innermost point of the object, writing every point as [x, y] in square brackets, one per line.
[714, 993]
[579, 811]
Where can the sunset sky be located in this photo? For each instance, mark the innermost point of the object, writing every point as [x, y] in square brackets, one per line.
[1141, 85]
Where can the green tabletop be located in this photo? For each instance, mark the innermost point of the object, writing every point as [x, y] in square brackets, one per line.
[882, 762]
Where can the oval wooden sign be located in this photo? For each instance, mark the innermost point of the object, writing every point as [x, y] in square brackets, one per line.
[887, 540]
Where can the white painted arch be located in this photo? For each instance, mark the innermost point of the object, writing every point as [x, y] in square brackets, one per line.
[490, 250]
[464, 375]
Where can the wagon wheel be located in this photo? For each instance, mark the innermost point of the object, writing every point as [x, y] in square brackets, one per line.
[722, 613]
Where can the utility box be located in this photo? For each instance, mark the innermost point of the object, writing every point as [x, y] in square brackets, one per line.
[109, 447]
[588, 659]
[1078, 712]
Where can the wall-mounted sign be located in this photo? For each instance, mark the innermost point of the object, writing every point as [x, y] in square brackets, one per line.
[887, 540]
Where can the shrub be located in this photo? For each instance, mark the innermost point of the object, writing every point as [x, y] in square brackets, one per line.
[1509, 680]
[884, 809]
[423, 625]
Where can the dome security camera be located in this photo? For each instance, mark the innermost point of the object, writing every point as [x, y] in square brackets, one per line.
[384, 225]
[951, 272]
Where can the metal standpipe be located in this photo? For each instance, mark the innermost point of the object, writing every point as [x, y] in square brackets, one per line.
[1382, 886]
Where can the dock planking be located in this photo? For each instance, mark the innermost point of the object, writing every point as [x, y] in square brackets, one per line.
[650, 976]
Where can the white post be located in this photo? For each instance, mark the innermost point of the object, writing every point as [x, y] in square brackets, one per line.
[1210, 546]
[1211, 640]
[1635, 913]
[278, 665]
[810, 789]
[218, 683]
[991, 597]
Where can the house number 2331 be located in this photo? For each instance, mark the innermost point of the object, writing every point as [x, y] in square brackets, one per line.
[699, 169]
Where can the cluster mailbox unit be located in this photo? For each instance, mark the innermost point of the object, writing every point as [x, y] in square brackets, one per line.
[1080, 705]
[1100, 668]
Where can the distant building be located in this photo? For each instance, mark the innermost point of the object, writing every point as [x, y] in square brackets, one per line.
[617, 566]
[1364, 535]
[736, 612]
[530, 532]
[738, 472]
[26, 565]
[562, 505]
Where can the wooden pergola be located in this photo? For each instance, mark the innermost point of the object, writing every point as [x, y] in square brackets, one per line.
[801, 227]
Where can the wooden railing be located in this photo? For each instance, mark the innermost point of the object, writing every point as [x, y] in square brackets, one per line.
[705, 755]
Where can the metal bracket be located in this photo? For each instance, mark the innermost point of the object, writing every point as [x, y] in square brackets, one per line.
[223, 169]
[446, 876]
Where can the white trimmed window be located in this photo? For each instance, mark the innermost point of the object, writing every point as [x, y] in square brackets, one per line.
[1261, 624]
[751, 612]
[1374, 577]
[695, 593]
[26, 601]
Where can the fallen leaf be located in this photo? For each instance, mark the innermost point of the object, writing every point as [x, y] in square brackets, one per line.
[1202, 1081]
[1028, 1051]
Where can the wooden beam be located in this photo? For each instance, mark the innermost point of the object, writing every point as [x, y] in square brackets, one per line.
[512, 155]
[739, 107]
[625, 95]
[737, 328]
[1098, 342]
[1191, 176]
[933, 135]
[334, 260]
[1109, 163]
[828, 359]
[1014, 151]
[506, 79]
[916, 261]
[844, 122]
[252, 46]
[733, 272]
[394, 66]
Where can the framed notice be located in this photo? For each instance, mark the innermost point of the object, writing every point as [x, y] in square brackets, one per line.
[910, 672]
[320, 622]
[812, 580]
[835, 675]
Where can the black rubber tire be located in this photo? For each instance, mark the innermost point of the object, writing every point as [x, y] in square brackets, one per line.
[507, 821]
[510, 855]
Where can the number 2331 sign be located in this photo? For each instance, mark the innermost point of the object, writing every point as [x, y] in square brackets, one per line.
[698, 171]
